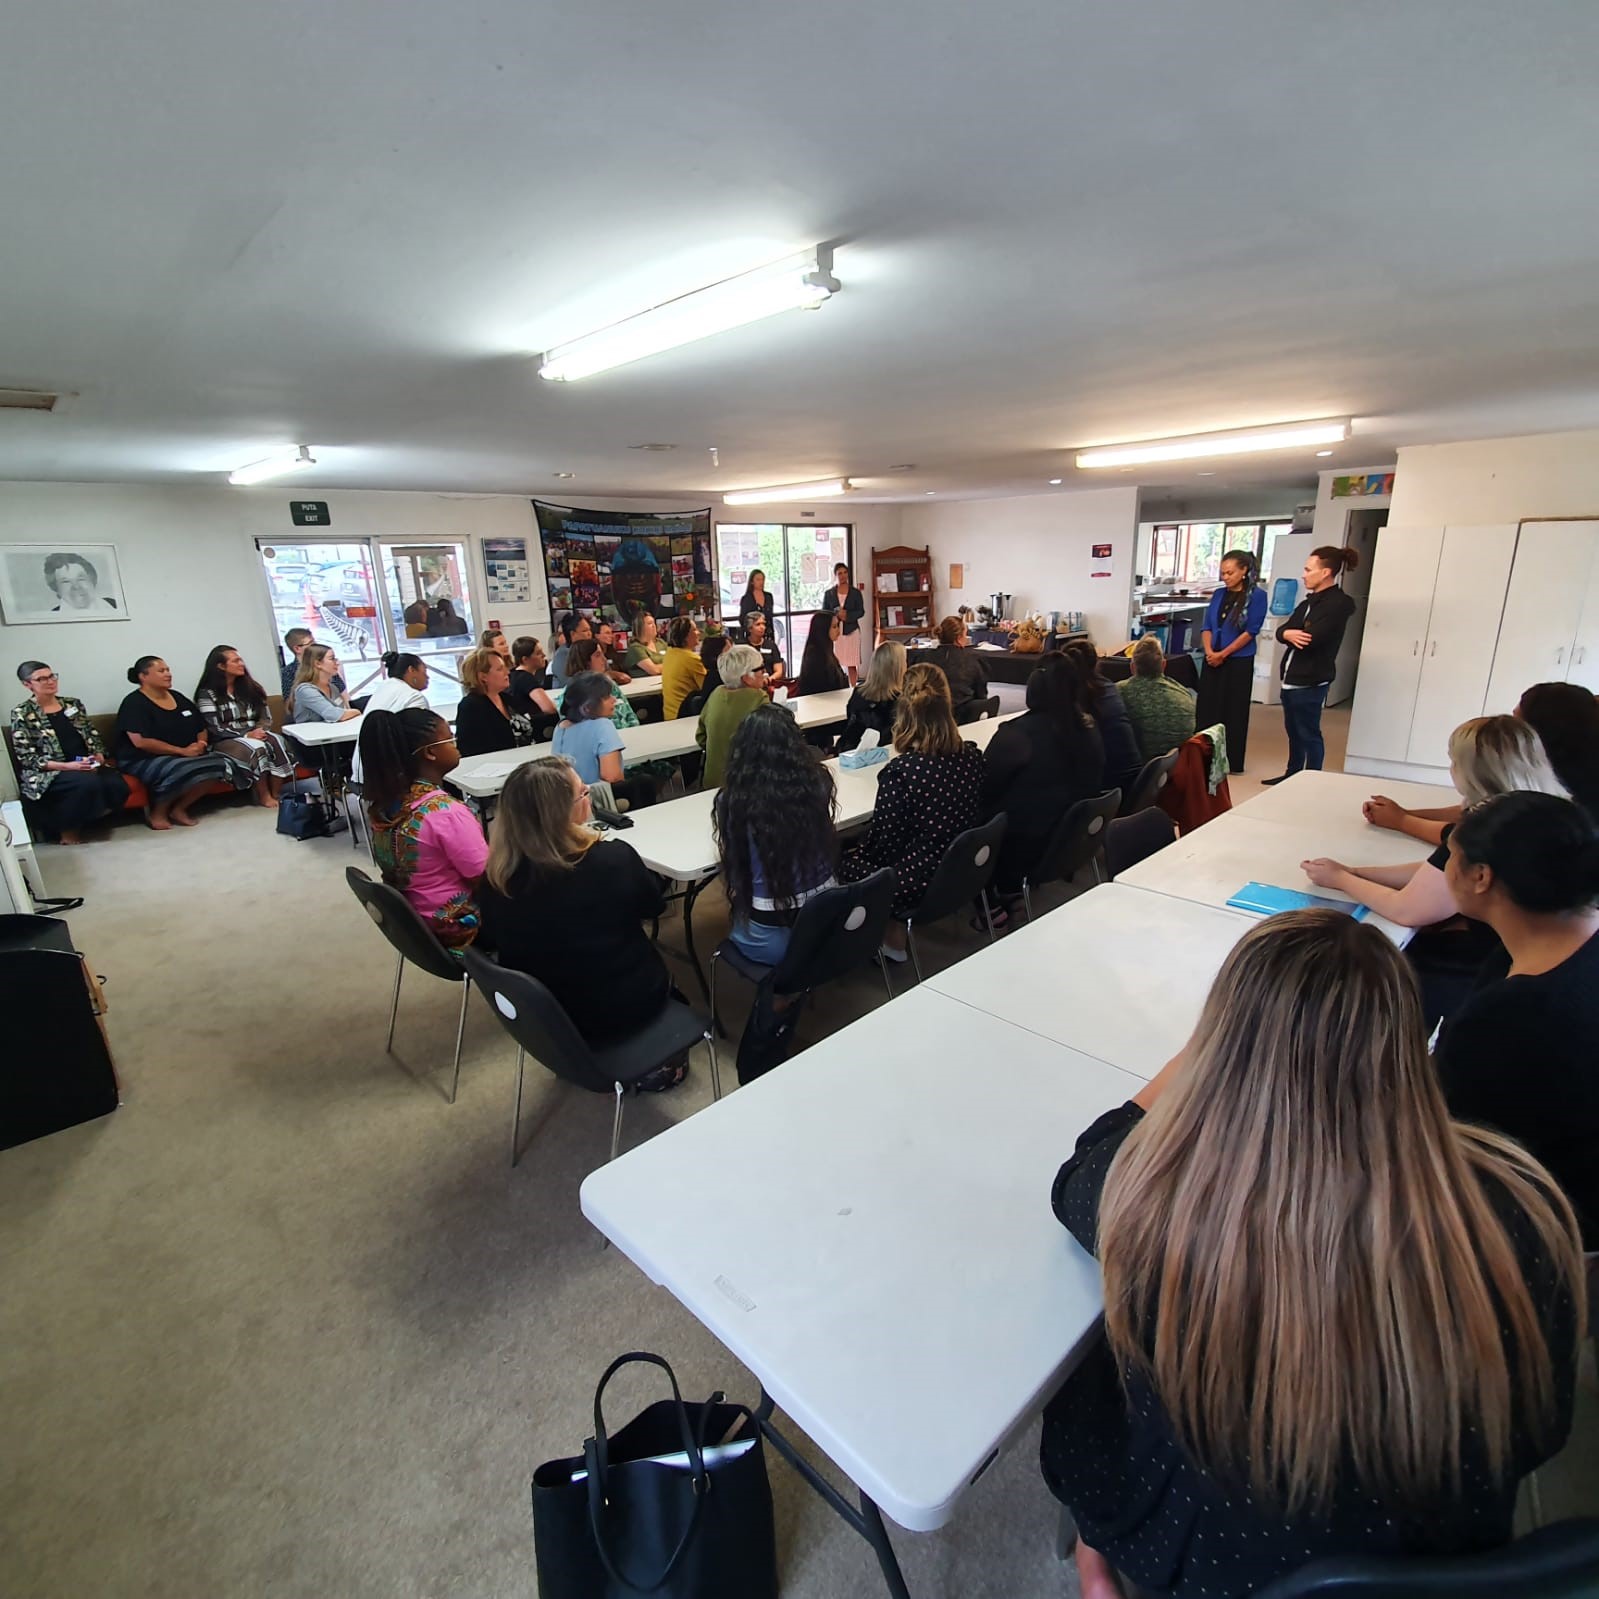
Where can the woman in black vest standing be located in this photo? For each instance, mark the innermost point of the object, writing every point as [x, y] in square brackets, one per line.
[1313, 634]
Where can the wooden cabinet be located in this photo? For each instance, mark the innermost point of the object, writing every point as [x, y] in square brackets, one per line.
[900, 604]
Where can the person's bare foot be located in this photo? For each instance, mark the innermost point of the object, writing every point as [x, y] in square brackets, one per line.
[183, 819]
[266, 802]
[159, 822]
[69, 835]
[1096, 1577]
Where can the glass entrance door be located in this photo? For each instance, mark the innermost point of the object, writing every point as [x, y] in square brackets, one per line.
[430, 610]
[798, 560]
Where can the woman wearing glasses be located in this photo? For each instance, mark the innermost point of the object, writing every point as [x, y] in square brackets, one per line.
[62, 765]
[426, 844]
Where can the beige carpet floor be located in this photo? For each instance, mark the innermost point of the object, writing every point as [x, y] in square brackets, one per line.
[288, 1324]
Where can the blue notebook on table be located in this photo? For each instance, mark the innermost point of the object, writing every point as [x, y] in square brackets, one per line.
[1265, 899]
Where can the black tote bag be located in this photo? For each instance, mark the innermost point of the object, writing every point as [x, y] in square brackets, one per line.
[676, 1504]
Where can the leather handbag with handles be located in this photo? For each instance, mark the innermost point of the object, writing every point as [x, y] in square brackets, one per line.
[677, 1503]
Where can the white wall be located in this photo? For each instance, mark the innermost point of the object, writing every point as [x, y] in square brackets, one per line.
[1036, 547]
[1332, 515]
[1497, 480]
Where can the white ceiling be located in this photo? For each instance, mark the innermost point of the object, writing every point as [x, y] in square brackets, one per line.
[234, 226]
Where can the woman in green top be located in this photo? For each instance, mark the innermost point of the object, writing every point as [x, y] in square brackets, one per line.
[646, 652]
[743, 690]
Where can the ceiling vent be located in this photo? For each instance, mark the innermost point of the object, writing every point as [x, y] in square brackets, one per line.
[28, 400]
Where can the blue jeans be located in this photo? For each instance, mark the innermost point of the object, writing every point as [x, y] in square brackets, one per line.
[1302, 718]
[762, 942]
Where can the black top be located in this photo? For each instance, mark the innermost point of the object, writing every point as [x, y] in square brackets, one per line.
[480, 729]
[822, 678]
[747, 604]
[862, 713]
[963, 666]
[1519, 1056]
[769, 654]
[74, 747]
[581, 934]
[1111, 1455]
[1123, 761]
[854, 606]
[1035, 773]
[138, 713]
[1324, 616]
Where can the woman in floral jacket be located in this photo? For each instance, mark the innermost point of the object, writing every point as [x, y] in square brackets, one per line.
[62, 765]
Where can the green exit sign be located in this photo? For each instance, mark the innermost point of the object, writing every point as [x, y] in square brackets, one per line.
[309, 513]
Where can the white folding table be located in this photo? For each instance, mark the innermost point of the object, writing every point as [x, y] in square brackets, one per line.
[321, 740]
[869, 1231]
[641, 687]
[1314, 800]
[1119, 973]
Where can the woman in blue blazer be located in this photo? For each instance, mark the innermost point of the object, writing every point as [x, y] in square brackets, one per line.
[1232, 623]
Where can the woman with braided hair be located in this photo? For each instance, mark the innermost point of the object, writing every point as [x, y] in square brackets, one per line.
[1232, 624]
[426, 844]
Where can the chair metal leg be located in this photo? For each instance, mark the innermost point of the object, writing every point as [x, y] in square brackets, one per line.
[888, 982]
[516, 1115]
[1534, 1500]
[616, 1124]
[1027, 897]
[716, 1020]
[1065, 1535]
[916, 960]
[710, 1044]
[1098, 864]
[460, 1033]
[394, 1009]
[988, 915]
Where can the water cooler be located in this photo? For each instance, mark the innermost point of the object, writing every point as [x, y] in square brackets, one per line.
[1281, 563]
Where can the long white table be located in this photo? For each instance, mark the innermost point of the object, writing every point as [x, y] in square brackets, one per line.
[319, 733]
[889, 1267]
[641, 687]
[483, 776]
[1315, 800]
[1119, 973]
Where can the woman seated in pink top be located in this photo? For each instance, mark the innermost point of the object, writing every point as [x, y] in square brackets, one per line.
[426, 844]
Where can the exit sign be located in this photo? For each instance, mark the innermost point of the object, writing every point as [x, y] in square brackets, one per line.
[309, 513]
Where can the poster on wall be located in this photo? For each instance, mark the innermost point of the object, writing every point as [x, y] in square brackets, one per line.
[47, 583]
[612, 563]
[506, 570]
[1344, 488]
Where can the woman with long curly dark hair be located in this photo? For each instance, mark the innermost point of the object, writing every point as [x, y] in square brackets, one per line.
[239, 720]
[773, 822]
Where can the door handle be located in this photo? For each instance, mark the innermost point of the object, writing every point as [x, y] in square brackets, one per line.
[1580, 656]
[1415, 649]
[1433, 651]
[1560, 655]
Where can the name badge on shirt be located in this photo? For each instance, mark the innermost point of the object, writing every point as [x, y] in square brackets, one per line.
[188, 713]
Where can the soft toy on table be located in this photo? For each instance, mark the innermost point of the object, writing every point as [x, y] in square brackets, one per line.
[1028, 637]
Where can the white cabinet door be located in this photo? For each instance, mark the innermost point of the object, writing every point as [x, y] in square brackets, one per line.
[1583, 662]
[1543, 608]
[1402, 578]
[1467, 599]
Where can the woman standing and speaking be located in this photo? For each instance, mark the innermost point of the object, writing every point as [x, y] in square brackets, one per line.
[1313, 634]
[1232, 624]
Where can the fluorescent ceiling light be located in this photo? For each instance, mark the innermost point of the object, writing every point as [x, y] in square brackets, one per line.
[799, 283]
[825, 490]
[1196, 447]
[273, 466]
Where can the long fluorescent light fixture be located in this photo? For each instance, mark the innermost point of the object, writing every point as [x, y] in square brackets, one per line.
[825, 490]
[1199, 446]
[800, 283]
[273, 466]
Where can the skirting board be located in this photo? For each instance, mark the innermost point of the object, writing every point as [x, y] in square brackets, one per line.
[1404, 770]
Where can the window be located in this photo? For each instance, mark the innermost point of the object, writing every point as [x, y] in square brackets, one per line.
[1189, 553]
[367, 597]
[798, 560]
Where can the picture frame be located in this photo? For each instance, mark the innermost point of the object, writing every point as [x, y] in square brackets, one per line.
[60, 582]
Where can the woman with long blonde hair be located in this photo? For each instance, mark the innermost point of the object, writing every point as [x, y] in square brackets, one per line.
[1336, 1321]
[876, 699]
[925, 796]
[567, 906]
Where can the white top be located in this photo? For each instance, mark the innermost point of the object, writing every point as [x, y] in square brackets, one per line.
[1118, 972]
[889, 1268]
[395, 694]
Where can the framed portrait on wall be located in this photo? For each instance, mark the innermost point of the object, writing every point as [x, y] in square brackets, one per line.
[60, 583]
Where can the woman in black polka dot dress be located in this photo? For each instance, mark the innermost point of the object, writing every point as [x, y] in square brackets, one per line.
[927, 794]
[1336, 1321]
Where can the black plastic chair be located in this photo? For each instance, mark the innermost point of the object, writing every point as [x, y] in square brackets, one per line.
[1152, 777]
[1556, 1562]
[1131, 839]
[977, 710]
[538, 1023]
[963, 875]
[412, 941]
[835, 931]
[1079, 841]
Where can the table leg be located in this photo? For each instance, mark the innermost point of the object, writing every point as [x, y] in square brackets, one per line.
[867, 1521]
[692, 894]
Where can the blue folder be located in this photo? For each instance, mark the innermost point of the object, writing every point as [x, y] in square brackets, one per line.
[1265, 899]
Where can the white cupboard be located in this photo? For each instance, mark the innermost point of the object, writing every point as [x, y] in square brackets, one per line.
[1461, 621]
[1432, 618]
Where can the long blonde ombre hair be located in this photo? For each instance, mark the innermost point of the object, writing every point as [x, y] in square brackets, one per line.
[924, 719]
[1299, 1250]
[1492, 755]
[534, 826]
